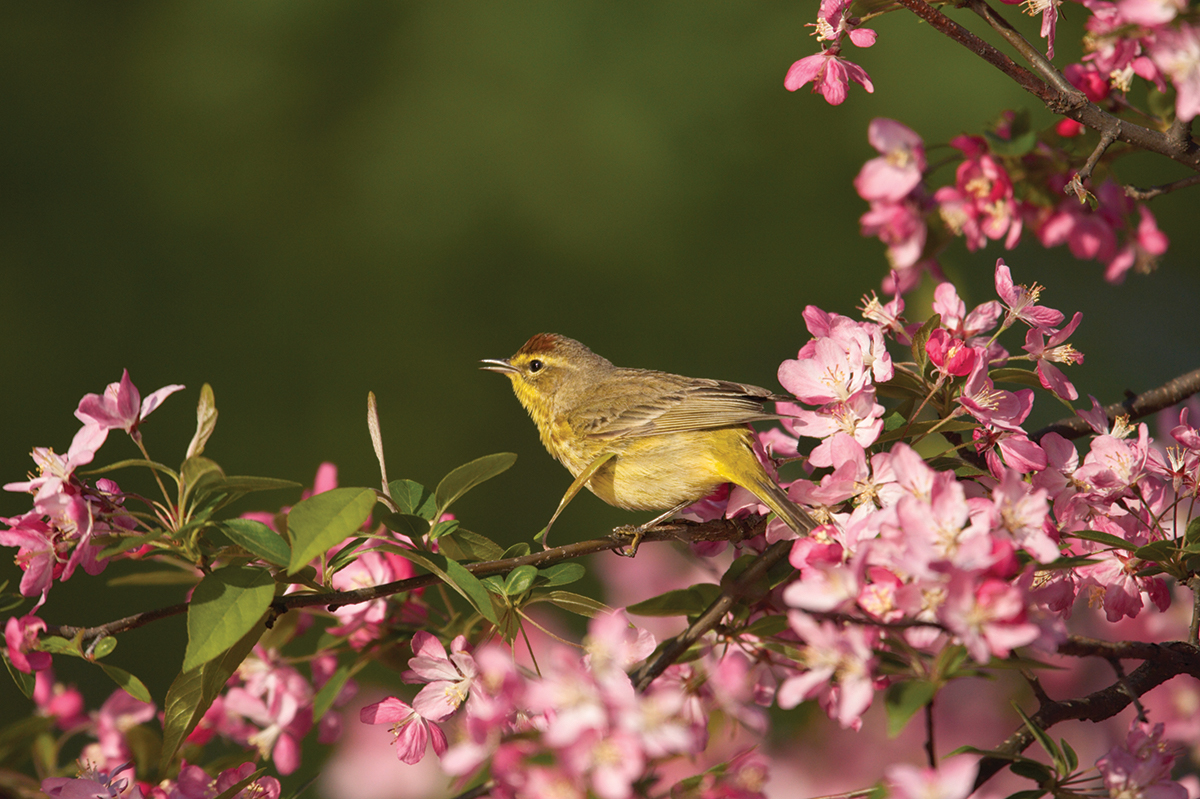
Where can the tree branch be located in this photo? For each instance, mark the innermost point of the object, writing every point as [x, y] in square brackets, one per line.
[1135, 406]
[1052, 88]
[683, 531]
[1163, 661]
[1165, 188]
[730, 594]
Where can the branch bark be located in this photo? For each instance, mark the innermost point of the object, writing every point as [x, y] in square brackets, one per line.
[1051, 87]
[1135, 406]
[687, 532]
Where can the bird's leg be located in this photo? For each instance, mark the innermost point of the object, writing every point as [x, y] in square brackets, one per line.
[575, 487]
[635, 533]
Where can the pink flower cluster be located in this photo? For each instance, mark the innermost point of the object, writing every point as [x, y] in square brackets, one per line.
[56, 536]
[982, 205]
[829, 73]
[952, 560]
[577, 728]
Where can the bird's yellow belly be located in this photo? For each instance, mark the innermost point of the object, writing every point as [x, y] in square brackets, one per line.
[660, 472]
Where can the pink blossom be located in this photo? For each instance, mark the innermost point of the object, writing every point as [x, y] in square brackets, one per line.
[449, 677]
[362, 622]
[954, 778]
[987, 616]
[121, 406]
[950, 355]
[119, 713]
[1142, 252]
[1019, 512]
[900, 167]
[838, 667]
[980, 205]
[1176, 51]
[63, 703]
[1043, 352]
[970, 327]
[20, 636]
[1141, 766]
[899, 225]
[829, 74]
[411, 731]
[1021, 301]
[94, 783]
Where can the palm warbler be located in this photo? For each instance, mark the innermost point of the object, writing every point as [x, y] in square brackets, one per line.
[640, 439]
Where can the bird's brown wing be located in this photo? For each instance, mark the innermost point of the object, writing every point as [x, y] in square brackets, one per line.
[677, 404]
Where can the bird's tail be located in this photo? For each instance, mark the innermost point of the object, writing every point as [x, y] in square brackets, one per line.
[777, 500]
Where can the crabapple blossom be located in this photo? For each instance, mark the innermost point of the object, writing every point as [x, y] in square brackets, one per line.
[121, 406]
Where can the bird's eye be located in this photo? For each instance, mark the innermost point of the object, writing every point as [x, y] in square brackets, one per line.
[535, 365]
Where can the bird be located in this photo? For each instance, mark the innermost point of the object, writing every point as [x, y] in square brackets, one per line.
[640, 439]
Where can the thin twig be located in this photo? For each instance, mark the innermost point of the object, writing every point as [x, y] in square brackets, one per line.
[687, 532]
[730, 594]
[1048, 86]
[1165, 188]
[1135, 406]
[1107, 137]
[1041, 65]
[930, 747]
[1194, 627]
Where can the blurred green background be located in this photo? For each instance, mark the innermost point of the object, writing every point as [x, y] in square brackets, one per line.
[299, 202]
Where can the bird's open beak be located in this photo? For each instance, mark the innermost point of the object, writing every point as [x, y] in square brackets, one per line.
[498, 365]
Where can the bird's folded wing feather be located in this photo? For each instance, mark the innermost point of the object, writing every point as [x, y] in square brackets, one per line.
[681, 404]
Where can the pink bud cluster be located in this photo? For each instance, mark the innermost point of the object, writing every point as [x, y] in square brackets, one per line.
[982, 205]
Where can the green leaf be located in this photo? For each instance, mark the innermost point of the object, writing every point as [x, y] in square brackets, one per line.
[192, 692]
[902, 702]
[1192, 536]
[132, 685]
[258, 539]
[102, 648]
[1013, 375]
[464, 545]
[1021, 137]
[325, 520]
[1032, 793]
[225, 606]
[571, 602]
[767, 626]
[469, 475]
[560, 574]
[25, 682]
[57, 645]
[440, 529]
[330, 690]
[1157, 552]
[1044, 740]
[413, 499]
[245, 484]
[1108, 539]
[236, 788]
[1032, 770]
[206, 422]
[155, 465]
[125, 543]
[519, 580]
[156, 577]
[196, 471]
[517, 550]
[679, 602]
[1070, 756]
[469, 586]
[457, 577]
[406, 524]
[921, 340]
